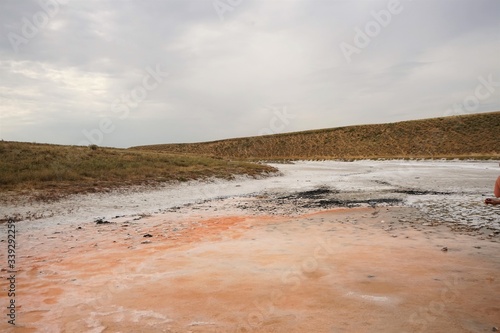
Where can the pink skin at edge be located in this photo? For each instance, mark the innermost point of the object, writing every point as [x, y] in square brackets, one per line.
[496, 191]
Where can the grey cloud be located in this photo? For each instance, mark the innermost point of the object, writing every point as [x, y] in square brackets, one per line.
[224, 74]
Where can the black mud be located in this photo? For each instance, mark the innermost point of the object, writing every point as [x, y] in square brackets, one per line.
[419, 192]
[315, 193]
[330, 198]
[355, 203]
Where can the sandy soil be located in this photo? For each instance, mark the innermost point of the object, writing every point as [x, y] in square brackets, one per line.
[344, 270]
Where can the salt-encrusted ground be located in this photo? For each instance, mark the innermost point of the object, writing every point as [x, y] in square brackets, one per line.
[412, 248]
[446, 191]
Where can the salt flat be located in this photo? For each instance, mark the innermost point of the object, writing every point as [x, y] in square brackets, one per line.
[452, 191]
[386, 246]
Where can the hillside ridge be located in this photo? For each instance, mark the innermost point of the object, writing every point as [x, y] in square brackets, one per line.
[464, 136]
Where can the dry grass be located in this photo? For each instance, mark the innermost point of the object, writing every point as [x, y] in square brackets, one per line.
[53, 171]
[470, 136]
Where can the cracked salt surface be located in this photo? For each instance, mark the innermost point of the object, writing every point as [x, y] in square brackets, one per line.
[461, 209]
[444, 191]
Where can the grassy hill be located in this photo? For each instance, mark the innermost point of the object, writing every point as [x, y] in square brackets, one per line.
[467, 136]
[53, 171]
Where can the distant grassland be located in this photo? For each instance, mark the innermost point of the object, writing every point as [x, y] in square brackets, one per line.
[474, 136]
[53, 171]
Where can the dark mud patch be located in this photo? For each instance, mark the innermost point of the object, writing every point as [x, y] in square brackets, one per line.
[354, 203]
[314, 193]
[381, 182]
[420, 192]
[101, 221]
[329, 198]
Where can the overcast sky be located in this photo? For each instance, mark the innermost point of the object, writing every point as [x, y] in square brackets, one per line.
[124, 73]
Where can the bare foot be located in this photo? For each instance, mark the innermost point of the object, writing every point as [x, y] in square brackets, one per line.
[491, 201]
